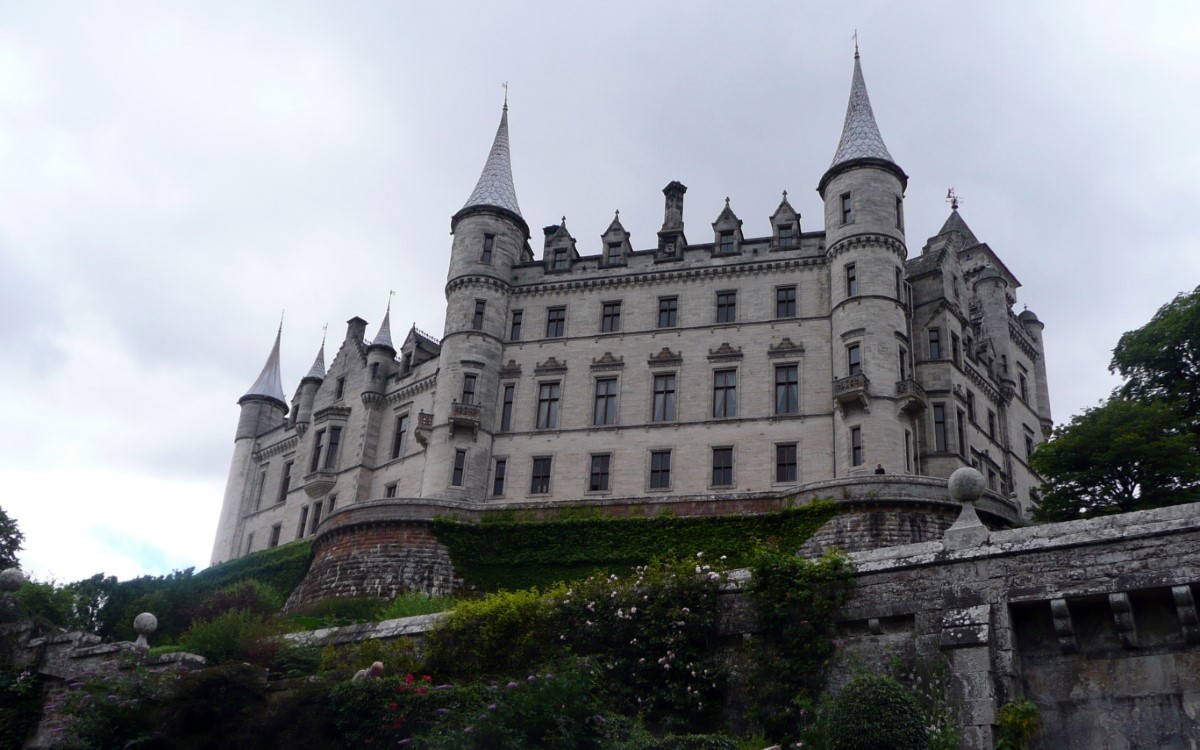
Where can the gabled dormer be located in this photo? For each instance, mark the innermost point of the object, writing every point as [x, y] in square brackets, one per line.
[418, 347]
[727, 232]
[616, 245]
[559, 253]
[785, 226]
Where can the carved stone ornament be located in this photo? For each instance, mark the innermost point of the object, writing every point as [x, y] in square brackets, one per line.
[510, 370]
[665, 358]
[551, 365]
[724, 352]
[608, 362]
[785, 348]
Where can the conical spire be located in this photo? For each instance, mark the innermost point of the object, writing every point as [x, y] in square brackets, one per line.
[495, 186]
[317, 371]
[384, 337]
[269, 384]
[955, 223]
[860, 134]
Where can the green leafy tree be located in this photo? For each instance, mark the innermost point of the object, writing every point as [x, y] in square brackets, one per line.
[1122, 455]
[11, 540]
[1161, 360]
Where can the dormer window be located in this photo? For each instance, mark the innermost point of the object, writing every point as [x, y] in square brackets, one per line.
[727, 243]
[612, 253]
[489, 240]
[560, 260]
[787, 235]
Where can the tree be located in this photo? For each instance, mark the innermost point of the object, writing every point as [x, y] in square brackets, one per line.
[1161, 360]
[11, 540]
[1123, 455]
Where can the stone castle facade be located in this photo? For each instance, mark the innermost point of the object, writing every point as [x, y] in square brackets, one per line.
[722, 375]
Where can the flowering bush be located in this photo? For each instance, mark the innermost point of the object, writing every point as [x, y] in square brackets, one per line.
[651, 635]
[20, 706]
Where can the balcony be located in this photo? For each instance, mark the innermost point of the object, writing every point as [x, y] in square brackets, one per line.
[911, 396]
[465, 417]
[852, 390]
[424, 427]
[319, 483]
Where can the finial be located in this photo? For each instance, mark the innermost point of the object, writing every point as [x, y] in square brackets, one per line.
[391, 293]
[506, 96]
[281, 312]
[785, 195]
[564, 220]
[618, 213]
[952, 199]
[324, 331]
[727, 201]
[856, 44]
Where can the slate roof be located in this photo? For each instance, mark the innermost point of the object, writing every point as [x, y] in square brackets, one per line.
[860, 134]
[495, 186]
[269, 384]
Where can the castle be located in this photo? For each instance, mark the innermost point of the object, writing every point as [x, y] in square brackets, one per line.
[705, 377]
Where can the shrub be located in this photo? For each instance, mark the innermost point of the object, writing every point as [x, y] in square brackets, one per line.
[251, 596]
[1020, 721]
[504, 633]
[414, 603]
[874, 712]
[113, 711]
[236, 633]
[296, 661]
[214, 707]
[399, 655]
[20, 706]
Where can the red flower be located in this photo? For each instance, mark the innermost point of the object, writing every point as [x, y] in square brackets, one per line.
[408, 679]
[426, 678]
[421, 690]
[397, 723]
[392, 706]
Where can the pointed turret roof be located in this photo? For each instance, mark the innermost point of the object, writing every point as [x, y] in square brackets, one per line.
[860, 134]
[495, 186]
[955, 223]
[317, 371]
[269, 384]
[384, 337]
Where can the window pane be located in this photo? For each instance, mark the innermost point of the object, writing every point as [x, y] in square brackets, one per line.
[787, 391]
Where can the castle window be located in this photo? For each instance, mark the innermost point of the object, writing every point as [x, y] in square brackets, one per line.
[722, 467]
[971, 407]
[276, 530]
[851, 280]
[506, 407]
[935, 343]
[610, 317]
[561, 260]
[668, 311]
[477, 318]
[856, 446]
[991, 424]
[260, 486]
[598, 476]
[612, 253]
[660, 470]
[664, 398]
[908, 451]
[899, 212]
[389, 491]
[1028, 445]
[991, 479]
[962, 432]
[331, 453]
[489, 240]
[854, 359]
[847, 209]
[903, 354]
[286, 484]
[556, 322]
[498, 475]
[315, 521]
[899, 285]
[939, 428]
[303, 521]
[785, 302]
[539, 481]
[468, 391]
[787, 389]
[332, 502]
[249, 542]
[340, 389]
[785, 462]
[318, 444]
[724, 393]
[547, 414]
[460, 465]
[399, 436]
[514, 331]
[1024, 386]
[727, 243]
[787, 235]
[605, 411]
[955, 348]
[374, 371]
[726, 307]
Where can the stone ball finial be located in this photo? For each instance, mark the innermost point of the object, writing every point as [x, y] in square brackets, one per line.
[11, 579]
[965, 485]
[145, 624]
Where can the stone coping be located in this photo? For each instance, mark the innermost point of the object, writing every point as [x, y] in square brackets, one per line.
[365, 631]
[1156, 522]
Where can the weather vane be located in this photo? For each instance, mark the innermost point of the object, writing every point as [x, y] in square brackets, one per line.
[505, 84]
[856, 44]
[952, 199]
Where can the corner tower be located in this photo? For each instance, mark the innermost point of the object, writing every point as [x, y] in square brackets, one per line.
[490, 237]
[262, 409]
[875, 423]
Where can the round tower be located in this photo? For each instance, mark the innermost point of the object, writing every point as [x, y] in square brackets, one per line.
[870, 347]
[262, 409]
[490, 237]
[307, 392]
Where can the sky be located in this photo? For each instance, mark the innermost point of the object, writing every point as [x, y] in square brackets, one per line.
[175, 176]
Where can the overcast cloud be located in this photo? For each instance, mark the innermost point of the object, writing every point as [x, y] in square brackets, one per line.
[173, 175]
